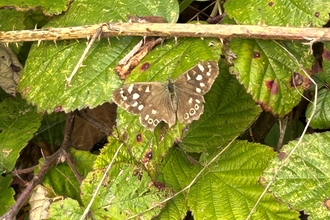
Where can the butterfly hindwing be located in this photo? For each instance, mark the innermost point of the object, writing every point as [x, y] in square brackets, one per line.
[190, 106]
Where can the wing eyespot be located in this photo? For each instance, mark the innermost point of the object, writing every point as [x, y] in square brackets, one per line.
[192, 111]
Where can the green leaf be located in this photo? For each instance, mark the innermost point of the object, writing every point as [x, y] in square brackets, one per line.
[51, 131]
[18, 123]
[184, 4]
[320, 118]
[62, 180]
[169, 60]
[10, 19]
[49, 7]
[48, 66]
[303, 181]
[228, 111]
[123, 194]
[302, 13]
[7, 194]
[228, 189]
[65, 209]
[266, 71]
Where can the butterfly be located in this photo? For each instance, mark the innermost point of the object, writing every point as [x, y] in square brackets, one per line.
[180, 99]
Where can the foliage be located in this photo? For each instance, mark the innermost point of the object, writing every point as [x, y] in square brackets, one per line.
[200, 168]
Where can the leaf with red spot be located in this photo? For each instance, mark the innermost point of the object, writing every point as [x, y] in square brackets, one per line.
[267, 72]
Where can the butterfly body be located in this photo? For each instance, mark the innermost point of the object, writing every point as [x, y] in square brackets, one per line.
[181, 99]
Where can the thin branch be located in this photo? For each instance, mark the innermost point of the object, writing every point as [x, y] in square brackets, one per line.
[96, 34]
[97, 190]
[168, 30]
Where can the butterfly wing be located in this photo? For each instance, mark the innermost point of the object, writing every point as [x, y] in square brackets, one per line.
[151, 101]
[190, 88]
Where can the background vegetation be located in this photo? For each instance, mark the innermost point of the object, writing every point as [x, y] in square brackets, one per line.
[251, 135]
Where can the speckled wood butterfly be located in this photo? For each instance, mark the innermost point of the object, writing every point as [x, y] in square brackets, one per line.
[181, 98]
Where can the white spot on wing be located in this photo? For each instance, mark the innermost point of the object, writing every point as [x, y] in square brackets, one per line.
[199, 77]
[141, 107]
[146, 118]
[147, 89]
[208, 73]
[197, 100]
[188, 77]
[202, 84]
[198, 90]
[136, 96]
[130, 88]
[201, 68]
[135, 104]
[190, 100]
[153, 112]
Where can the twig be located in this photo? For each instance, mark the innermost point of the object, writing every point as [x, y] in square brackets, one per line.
[168, 30]
[97, 190]
[282, 127]
[37, 179]
[23, 171]
[83, 56]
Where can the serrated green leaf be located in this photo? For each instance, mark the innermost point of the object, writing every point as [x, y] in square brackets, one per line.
[11, 20]
[228, 111]
[266, 71]
[229, 187]
[302, 13]
[18, 123]
[65, 209]
[7, 194]
[321, 76]
[321, 118]
[303, 181]
[122, 194]
[49, 7]
[48, 66]
[61, 178]
[169, 60]
[51, 130]
[173, 58]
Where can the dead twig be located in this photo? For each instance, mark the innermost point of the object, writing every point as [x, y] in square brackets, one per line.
[169, 30]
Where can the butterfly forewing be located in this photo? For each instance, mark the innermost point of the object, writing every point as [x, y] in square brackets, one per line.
[151, 101]
[200, 78]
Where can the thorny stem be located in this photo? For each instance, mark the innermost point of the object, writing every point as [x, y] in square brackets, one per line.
[168, 30]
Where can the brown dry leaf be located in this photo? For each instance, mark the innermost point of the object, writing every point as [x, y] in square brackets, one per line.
[85, 135]
[10, 70]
